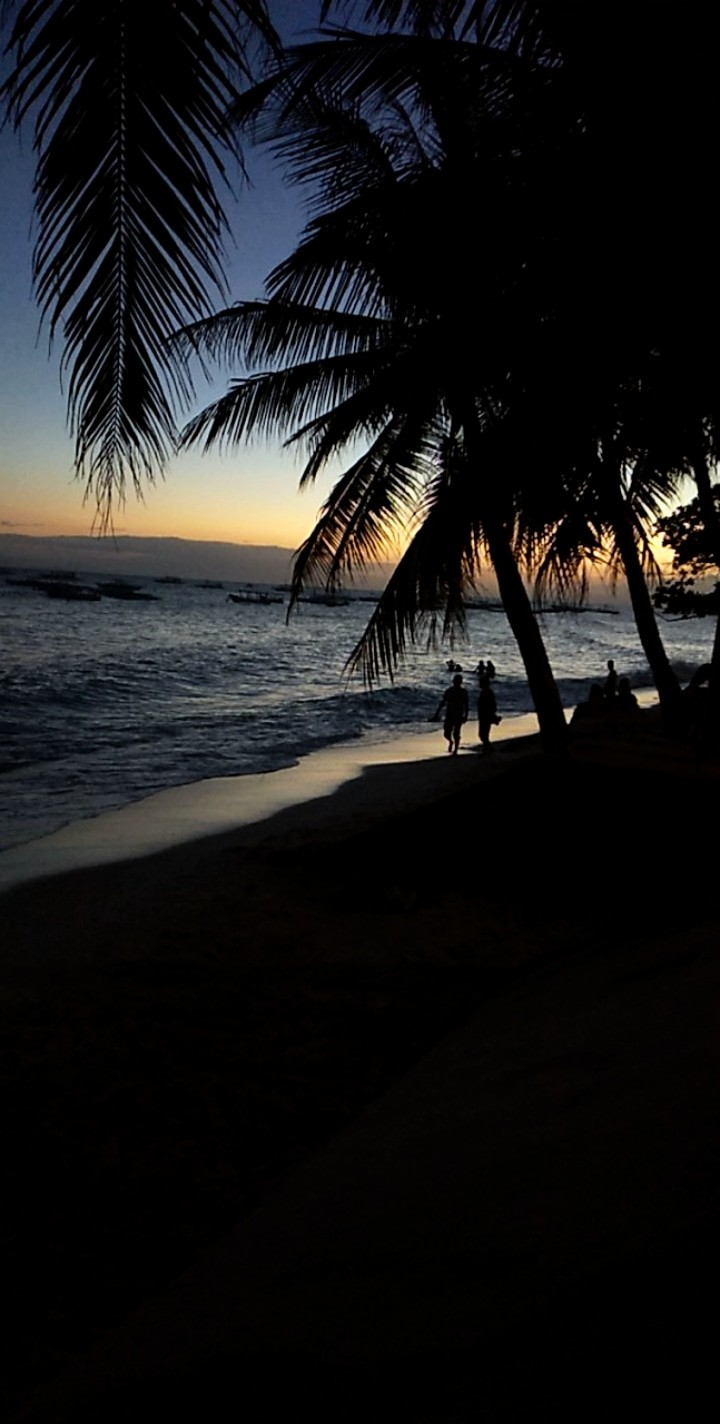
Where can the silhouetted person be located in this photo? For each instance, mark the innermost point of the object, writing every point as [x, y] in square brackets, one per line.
[480, 669]
[626, 701]
[490, 669]
[611, 681]
[590, 712]
[455, 702]
[487, 712]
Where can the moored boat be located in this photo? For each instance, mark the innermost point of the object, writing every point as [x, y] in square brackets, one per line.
[254, 595]
[129, 592]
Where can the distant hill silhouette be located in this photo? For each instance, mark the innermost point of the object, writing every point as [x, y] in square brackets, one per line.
[155, 557]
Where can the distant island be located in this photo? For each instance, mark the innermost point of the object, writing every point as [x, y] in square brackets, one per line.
[133, 556]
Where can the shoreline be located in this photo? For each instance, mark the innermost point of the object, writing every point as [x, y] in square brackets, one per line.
[181, 815]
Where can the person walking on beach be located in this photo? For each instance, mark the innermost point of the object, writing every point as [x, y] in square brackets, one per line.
[455, 702]
[487, 712]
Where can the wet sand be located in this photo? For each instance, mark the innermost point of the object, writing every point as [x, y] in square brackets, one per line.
[184, 814]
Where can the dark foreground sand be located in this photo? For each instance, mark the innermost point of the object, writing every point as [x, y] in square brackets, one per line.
[376, 1113]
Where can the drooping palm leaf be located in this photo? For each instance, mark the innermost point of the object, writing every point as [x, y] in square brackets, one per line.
[294, 403]
[252, 334]
[375, 499]
[127, 120]
[441, 563]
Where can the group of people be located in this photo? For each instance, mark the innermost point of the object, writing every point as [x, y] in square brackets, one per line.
[456, 706]
[614, 698]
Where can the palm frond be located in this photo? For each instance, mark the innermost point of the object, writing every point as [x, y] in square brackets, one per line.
[252, 334]
[376, 496]
[562, 556]
[127, 120]
[426, 588]
[367, 256]
[440, 18]
[292, 403]
[395, 386]
[343, 116]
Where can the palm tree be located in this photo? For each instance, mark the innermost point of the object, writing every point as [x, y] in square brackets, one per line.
[608, 476]
[526, 68]
[129, 129]
[654, 277]
[494, 102]
[686, 421]
[363, 336]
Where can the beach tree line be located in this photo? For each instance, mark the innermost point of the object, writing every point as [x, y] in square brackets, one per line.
[497, 318]
[693, 591]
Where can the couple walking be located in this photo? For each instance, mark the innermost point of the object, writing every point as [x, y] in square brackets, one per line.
[455, 703]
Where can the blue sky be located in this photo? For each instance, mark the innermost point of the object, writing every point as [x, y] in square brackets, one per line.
[249, 497]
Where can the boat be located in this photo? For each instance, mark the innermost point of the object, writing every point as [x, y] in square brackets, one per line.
[254, 595]
[71, 592]
[324, 600]
[129, 592]
[55, 586]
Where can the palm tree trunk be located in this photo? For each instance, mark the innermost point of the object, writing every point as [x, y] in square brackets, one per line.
[709, 512]
[522, 620]
[668, 687]
[513, 593]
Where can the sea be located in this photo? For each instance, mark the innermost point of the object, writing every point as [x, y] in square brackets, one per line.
[105, 702]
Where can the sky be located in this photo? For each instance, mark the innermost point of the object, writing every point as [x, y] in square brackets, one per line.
[251, 496]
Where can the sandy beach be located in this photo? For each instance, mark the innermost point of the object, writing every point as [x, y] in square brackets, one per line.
[452, 985]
